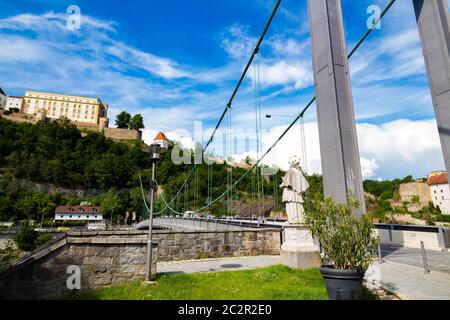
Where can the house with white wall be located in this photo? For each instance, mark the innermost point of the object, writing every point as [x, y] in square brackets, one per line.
[13, 102]
[440, 190]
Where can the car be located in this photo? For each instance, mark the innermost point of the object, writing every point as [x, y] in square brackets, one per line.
[63, 229]
[96, 226]
[189, 214]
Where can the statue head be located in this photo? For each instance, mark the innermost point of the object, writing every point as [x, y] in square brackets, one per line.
[294, 162]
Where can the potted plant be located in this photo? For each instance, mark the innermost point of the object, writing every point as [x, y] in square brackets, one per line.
[348, 244]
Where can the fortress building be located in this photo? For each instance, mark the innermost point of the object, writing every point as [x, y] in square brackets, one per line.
[83, 111]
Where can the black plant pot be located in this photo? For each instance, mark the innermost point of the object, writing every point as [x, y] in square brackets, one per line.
[343, 284]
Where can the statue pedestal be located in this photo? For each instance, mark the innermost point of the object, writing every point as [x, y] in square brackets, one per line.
[299, 250]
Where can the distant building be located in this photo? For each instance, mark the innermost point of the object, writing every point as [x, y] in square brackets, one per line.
[78, 213]
[13, 102]
[3, 99]
[162, 140]
[440, 190]
[81, 110]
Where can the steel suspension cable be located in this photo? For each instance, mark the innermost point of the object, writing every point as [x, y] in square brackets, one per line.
[308, 105]
[358, 44]
[236, 89]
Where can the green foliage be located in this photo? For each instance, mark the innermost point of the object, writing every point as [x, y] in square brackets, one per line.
[137, 122]
[347, 241]
[19, 204]
[123, 120]
[416, 199]
[385, 189]
[111, 202]
[42, 239]
[57, 153]
[8, 253]
[26, 237]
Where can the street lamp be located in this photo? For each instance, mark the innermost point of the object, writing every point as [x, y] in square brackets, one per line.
[159, 146]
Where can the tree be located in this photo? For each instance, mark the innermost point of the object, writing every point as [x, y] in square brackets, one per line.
[111, 203]
[26, 237]
[137, 122]
[123, 120]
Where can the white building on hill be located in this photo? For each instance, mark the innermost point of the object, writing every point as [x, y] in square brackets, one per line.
[440, 190]
[78, 213]
[13, 102]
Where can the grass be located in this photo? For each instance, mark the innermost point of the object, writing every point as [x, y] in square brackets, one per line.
[271, 283]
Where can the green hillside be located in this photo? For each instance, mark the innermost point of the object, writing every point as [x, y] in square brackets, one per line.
[58, 154]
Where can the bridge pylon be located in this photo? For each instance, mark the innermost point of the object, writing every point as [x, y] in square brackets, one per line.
[433, 23]
[341, 167]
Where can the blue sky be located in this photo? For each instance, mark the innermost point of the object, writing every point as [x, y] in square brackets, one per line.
[176, 62]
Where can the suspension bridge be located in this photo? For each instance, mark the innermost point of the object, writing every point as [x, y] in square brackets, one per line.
[341, 168]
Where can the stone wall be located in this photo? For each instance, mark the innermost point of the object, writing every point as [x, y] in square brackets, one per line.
[122, 134]
[187, 245]
[408, 190]
[212, 244]
[102, 262]
[114, 257]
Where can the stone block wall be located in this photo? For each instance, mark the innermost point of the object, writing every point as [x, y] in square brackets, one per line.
[122, 134]
[187, 245]
[212, 244]
[102, 262]
[113, 257]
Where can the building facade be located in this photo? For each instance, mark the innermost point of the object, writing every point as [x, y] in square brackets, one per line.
[13, 102]
[78, 213]
[77, 109]
[440, 190]
[3, 99]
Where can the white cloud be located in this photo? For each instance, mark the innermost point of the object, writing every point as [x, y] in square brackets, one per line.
[368, 167]
[390, 150]
[283, 72]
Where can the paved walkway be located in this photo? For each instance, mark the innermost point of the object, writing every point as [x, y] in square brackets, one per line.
[214, 265]
[410, 282]
[437, 261]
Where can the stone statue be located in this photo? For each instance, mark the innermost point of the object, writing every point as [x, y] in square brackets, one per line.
[294, 183]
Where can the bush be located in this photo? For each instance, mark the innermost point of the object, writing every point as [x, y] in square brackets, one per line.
[8, 253]
[348, 242]
[26, 237]
[42, 239]
[7, 112]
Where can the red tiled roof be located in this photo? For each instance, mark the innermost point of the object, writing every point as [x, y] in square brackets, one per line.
[77, 209]
[161, 136]
[441, 178]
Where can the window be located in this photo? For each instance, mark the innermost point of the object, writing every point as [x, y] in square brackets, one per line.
[442, 197]
[442, 191]
[62, 216]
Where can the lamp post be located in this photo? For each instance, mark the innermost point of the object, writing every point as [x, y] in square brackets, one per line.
[154, 156]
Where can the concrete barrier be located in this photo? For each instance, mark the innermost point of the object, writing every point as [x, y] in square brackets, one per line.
[434, 238]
